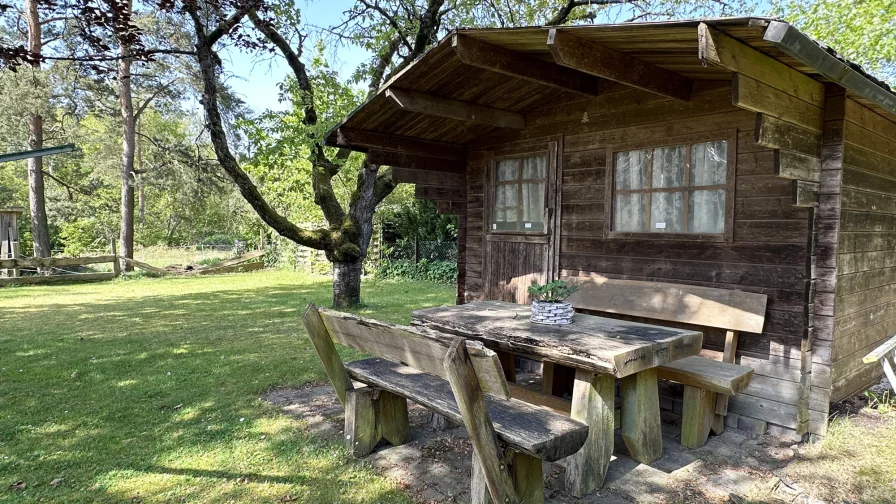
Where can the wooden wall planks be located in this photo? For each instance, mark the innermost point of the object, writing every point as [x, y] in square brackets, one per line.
[865, 289]
[768, 253]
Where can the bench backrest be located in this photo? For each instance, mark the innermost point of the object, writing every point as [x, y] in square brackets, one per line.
[470, 368]
[418, 348]
[690, 304]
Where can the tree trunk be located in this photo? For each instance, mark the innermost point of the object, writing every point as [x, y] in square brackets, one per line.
[126, 101]
[141, 195]
[36, 195]
[347, 284]
[36, 199]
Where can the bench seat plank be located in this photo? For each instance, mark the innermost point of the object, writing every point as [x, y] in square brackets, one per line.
[881, 351]
[708, 374]
[530, 429]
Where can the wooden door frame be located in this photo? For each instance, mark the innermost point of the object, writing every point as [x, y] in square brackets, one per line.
[553, 147]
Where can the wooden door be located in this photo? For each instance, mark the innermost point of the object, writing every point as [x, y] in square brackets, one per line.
[513, 258]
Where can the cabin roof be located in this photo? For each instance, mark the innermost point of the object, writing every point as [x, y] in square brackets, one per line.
[671, 45]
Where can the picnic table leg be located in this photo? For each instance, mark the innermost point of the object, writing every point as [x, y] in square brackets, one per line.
[508, 364]
[592, 403]
[641, 427]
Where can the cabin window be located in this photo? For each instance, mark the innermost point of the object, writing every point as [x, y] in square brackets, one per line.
[520, 194]
[677, 189]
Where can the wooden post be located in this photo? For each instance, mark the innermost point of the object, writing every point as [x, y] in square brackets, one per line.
[392, 418]
[326, 350]
[487, 457]
[593, 398]
[9, 236]
[699, 416]
[721, 406]
[361, 434]
[508, 363]
[116, 266]
[641, 427]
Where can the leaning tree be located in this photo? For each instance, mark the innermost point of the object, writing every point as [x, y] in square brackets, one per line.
[395, 32]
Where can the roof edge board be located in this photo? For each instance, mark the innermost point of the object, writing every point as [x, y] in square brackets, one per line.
[330, 134]
[800, 47]
[46, 151]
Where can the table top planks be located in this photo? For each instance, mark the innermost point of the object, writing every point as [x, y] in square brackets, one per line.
[598, 344]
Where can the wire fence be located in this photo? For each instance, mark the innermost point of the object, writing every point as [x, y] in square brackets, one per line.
[416, 251]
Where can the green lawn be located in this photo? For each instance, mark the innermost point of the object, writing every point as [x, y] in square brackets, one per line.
[148, 391]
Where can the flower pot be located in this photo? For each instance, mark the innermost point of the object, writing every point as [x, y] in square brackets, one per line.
[544, 312]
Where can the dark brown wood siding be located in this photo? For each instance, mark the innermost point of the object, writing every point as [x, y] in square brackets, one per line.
[865, 305]
[768, 253]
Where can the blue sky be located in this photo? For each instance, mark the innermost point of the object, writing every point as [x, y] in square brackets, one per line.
[257, 81]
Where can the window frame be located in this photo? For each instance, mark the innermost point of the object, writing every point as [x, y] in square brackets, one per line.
[493, 185]
[729, 187]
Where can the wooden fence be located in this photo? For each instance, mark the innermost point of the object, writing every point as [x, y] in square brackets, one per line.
[12, 266]
[44, 263]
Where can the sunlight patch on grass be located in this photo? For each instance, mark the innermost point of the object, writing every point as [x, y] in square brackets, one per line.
[149, 389]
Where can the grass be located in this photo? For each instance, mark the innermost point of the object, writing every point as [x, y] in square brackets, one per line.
[148, 391]
[856, 460]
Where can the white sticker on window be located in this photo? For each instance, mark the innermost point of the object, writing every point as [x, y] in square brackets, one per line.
[528, 225]
[494, 226]
[661, 225]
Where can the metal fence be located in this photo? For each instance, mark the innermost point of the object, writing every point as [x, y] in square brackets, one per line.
[416, 251]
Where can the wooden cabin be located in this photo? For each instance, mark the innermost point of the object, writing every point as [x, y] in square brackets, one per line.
[729, 153]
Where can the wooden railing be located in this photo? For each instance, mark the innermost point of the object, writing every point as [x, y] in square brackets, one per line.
[14, 265]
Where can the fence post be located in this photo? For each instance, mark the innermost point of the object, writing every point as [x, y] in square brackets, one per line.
[416, 250]
[116, 267]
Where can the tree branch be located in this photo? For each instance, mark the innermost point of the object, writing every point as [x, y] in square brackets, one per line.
[66, 185]
[294, 62]
[146, 103]
[562, 16]
[320, 239]
[323, 170]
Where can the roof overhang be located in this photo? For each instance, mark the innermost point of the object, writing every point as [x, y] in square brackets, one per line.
[478, 80]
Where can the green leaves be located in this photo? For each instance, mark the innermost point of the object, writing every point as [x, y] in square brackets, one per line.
[552, 292]
[860, 30]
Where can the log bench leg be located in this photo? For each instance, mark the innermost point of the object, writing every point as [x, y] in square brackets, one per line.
[699, 416]
[360, 422]
[371, 415]
[526, 473]
[593, 400]
[641, 428]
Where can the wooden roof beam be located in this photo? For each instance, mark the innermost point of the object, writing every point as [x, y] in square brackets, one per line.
[733, 55]
[497, 59]
[364, 141]
[421, 103]
[416, 162]
[591, 58]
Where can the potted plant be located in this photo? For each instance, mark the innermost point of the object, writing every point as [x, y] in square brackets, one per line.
[549, 305]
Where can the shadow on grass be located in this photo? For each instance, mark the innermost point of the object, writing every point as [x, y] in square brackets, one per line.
[166, 385]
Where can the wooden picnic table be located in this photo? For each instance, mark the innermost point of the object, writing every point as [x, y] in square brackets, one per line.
[600, 350]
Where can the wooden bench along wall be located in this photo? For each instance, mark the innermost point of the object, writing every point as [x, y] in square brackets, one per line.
[708, 383]
[463, 381]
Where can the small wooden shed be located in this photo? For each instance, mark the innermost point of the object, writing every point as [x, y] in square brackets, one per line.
[9, 236]
[731, 153]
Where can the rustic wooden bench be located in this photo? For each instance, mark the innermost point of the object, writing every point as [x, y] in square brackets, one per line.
[881, 354]
[708, 383]
[462, 381]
